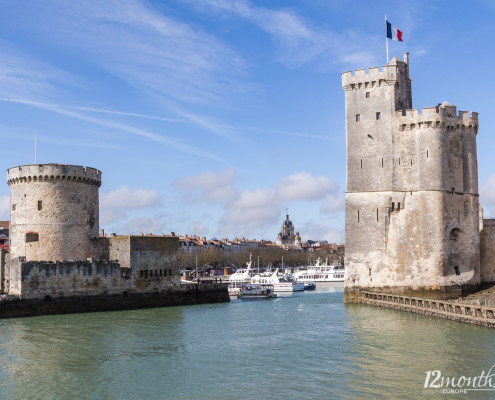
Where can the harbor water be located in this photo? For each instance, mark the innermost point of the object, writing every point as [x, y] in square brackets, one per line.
[307, 345]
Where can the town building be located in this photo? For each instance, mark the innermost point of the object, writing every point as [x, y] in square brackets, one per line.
[286, 235]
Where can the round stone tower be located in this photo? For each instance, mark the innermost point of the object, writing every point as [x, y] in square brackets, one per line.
[53, 211]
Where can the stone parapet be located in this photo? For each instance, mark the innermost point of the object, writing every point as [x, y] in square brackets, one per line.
[49, 172]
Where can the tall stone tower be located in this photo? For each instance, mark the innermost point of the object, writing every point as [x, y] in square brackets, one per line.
[53, 211]
[412, 210]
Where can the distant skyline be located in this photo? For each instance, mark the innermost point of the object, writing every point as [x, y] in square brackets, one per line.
[212, 117]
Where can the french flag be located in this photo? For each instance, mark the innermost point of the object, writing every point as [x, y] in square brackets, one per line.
[393, 33]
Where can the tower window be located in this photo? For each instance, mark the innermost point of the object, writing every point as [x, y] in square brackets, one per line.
[457, 271]
[377, 215]
[393, 206]
[358, 117]
[367, 95]
[13, 207]
[398, 206]
[382, 162]
[40, 205]
[426, 153]
[358, 215]
[377, 115]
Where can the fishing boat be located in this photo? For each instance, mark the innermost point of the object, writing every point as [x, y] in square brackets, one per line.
[283, 283]
[256, 291]
[320, 273]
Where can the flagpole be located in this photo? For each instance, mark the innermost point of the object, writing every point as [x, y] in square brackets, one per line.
[386, 39]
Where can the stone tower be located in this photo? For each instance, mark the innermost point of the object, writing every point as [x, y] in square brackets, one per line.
[53, 211]
[412, 211]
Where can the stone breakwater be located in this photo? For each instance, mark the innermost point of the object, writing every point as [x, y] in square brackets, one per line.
[12, 306]
[457, 310]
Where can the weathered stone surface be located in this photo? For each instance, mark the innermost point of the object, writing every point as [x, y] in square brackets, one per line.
[53, 211]
[412, 210]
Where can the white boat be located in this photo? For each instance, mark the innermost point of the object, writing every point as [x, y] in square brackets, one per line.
[320, 273]
[239, 278]
[256, 291]
[283, 283]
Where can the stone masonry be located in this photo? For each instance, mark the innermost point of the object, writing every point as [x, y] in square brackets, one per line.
[55, 250]
[412, 211]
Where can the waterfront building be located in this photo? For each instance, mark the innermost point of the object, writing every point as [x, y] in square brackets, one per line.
[413, 223]
[55, 246]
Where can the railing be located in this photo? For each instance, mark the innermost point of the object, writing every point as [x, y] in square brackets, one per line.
[464, 312]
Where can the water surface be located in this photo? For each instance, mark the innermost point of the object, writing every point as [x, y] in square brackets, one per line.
[304, 346]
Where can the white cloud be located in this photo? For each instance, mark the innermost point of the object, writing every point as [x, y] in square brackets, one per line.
[198, 228]
[298, 40]
[125, 197]
[248, 210]
[303, 186]
[487, 195]
[212, 187]
[5, 207]
[144, 225]
[334, 202]
[110, 215]
[316, 231]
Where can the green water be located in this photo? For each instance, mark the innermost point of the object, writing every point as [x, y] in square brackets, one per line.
[305, 346]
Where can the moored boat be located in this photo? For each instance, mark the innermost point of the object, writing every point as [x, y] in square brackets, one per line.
[283, 283]
[320, 273]
[256, 291]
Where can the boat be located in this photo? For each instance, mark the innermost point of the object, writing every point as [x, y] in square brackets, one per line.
[283, 283]
[309, 286]
[239, 278]
[256, 291]
[320, 273]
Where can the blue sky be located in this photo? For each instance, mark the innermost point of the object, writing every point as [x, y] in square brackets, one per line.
[212, 117]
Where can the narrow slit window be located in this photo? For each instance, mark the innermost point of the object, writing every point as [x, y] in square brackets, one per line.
[377, 115]
[358, 117]
[457, 271]
[398, 206]
[382, 162]
[399, 161]
[361, 163]
[411, 163]
[426, 153]
[393, 206]
[370, 271]
[368, 95]
[13, 207]
[358, 216]
[377, 215]
[40, 205]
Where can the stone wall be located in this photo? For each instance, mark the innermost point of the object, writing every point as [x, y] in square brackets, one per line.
[488, 251]
[412, 221]
[181, 295]
[37, 279]
[53, 211]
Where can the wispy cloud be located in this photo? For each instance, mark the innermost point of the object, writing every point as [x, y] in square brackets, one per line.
[169, 142]
[297, 39]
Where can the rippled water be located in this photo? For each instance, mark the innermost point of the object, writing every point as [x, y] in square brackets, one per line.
[305, 346]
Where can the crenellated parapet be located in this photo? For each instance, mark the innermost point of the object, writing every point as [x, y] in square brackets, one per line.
[443, 116]
[362, 79]
[53, 172]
